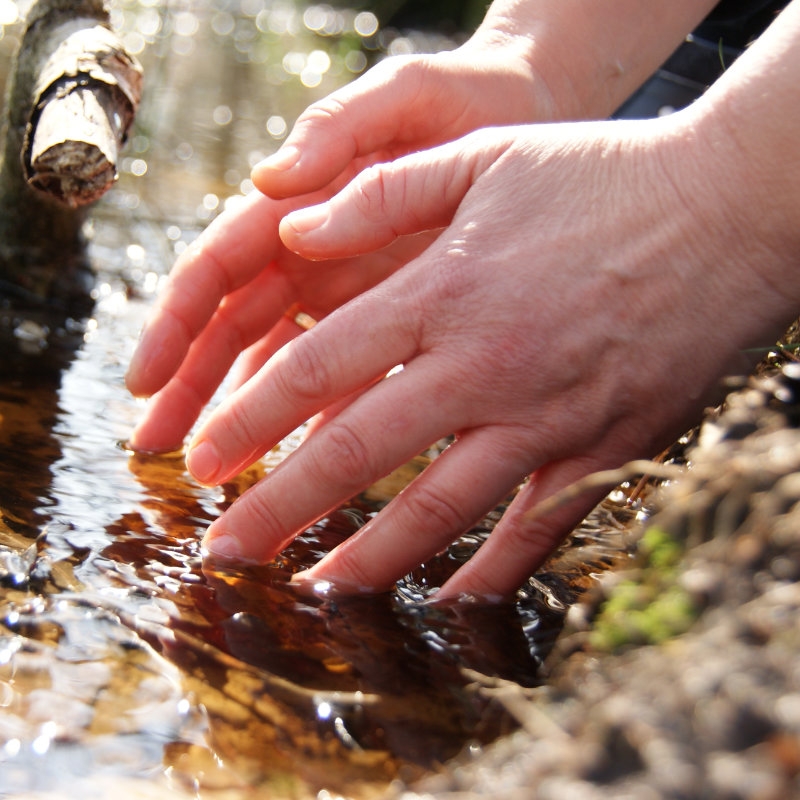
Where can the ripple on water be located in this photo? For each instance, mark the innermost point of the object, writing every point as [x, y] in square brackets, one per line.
[126, 665]
[122, 655]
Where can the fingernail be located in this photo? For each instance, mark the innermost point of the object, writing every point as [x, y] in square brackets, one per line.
[306, 583]
[307, 219]
[223, 546]
[203, 462]
[281, 160]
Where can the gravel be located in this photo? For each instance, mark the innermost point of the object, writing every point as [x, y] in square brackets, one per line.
[680, 677]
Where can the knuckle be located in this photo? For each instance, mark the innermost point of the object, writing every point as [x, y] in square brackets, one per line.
[370, 191]
[307, 374]
[342, 457]
[324, 110]
[254, 511]
[436, 511]
[533, 541]
[241, 429]
[353, 571]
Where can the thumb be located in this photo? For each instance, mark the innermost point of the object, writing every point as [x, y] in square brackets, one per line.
[416, 193]
[378, 113]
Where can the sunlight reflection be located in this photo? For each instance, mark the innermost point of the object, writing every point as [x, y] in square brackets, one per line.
[9, 13]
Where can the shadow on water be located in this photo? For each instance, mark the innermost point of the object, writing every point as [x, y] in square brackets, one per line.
[125, 663]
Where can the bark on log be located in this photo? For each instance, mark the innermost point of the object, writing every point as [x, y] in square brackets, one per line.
[72, 96]
[85, 98]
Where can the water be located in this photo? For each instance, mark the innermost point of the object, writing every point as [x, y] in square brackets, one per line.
[125, 665]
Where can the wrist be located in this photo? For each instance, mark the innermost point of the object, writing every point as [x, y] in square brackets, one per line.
[586, 59]
[515, 40]
[748, 125]
[509, 53]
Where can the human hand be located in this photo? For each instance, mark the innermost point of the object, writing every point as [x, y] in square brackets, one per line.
[226, 299]
[432, 98]
[576, 312]
[532, 61]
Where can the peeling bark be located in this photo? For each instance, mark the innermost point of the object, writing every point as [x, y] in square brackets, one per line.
[87, 91]
[72, 97]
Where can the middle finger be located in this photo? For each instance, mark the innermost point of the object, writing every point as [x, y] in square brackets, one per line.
[380, 430]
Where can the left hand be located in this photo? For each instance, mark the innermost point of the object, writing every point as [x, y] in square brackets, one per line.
[226, 299]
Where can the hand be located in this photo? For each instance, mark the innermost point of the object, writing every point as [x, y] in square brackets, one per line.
[574, 294]
[226, 298]
[575, 312]
[405, 104]
[447, 94]
[532, 61]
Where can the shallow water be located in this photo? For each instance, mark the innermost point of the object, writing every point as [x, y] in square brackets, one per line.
[125, 664]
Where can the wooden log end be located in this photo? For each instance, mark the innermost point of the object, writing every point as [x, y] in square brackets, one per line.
[86, 98]
[75, 145]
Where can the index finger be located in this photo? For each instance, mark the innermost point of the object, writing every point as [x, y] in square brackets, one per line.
[361, 118]
[226, 256]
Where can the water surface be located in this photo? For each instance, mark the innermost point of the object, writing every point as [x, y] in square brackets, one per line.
[126, 665]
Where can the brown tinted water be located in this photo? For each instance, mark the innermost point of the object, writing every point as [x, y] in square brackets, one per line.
[125, 665]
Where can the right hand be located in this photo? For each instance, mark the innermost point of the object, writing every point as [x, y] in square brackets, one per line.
[583, 297]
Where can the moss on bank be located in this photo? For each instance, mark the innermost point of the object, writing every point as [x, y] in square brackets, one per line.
[650, 606]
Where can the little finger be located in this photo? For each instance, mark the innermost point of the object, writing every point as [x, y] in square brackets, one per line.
[463, 484]
[519, 544]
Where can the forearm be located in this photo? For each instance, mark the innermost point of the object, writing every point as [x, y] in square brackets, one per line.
[747, 125]
[590, 54]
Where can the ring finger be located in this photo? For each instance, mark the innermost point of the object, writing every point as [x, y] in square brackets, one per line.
[380, 430]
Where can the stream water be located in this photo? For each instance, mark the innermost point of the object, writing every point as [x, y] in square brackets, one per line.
[127, 667]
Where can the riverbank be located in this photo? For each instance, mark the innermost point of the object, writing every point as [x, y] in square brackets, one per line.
[678, 677]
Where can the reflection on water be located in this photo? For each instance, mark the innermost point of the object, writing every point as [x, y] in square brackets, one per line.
[127, 666]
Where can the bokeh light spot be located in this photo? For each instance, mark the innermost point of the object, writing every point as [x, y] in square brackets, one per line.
[365, 24]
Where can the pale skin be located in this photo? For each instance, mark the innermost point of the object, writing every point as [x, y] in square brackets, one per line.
[563, 297]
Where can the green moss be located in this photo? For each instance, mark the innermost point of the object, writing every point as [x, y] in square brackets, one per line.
[651, 609]
[660, 549]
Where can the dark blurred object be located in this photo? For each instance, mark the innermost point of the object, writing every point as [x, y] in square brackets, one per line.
[716, 43]
[444, 16]
[735, 23]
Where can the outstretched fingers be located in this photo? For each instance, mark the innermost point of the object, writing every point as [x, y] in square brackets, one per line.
[378, 431]
[310, 373]
[229, 254]
[464, 483]
[243, 318]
